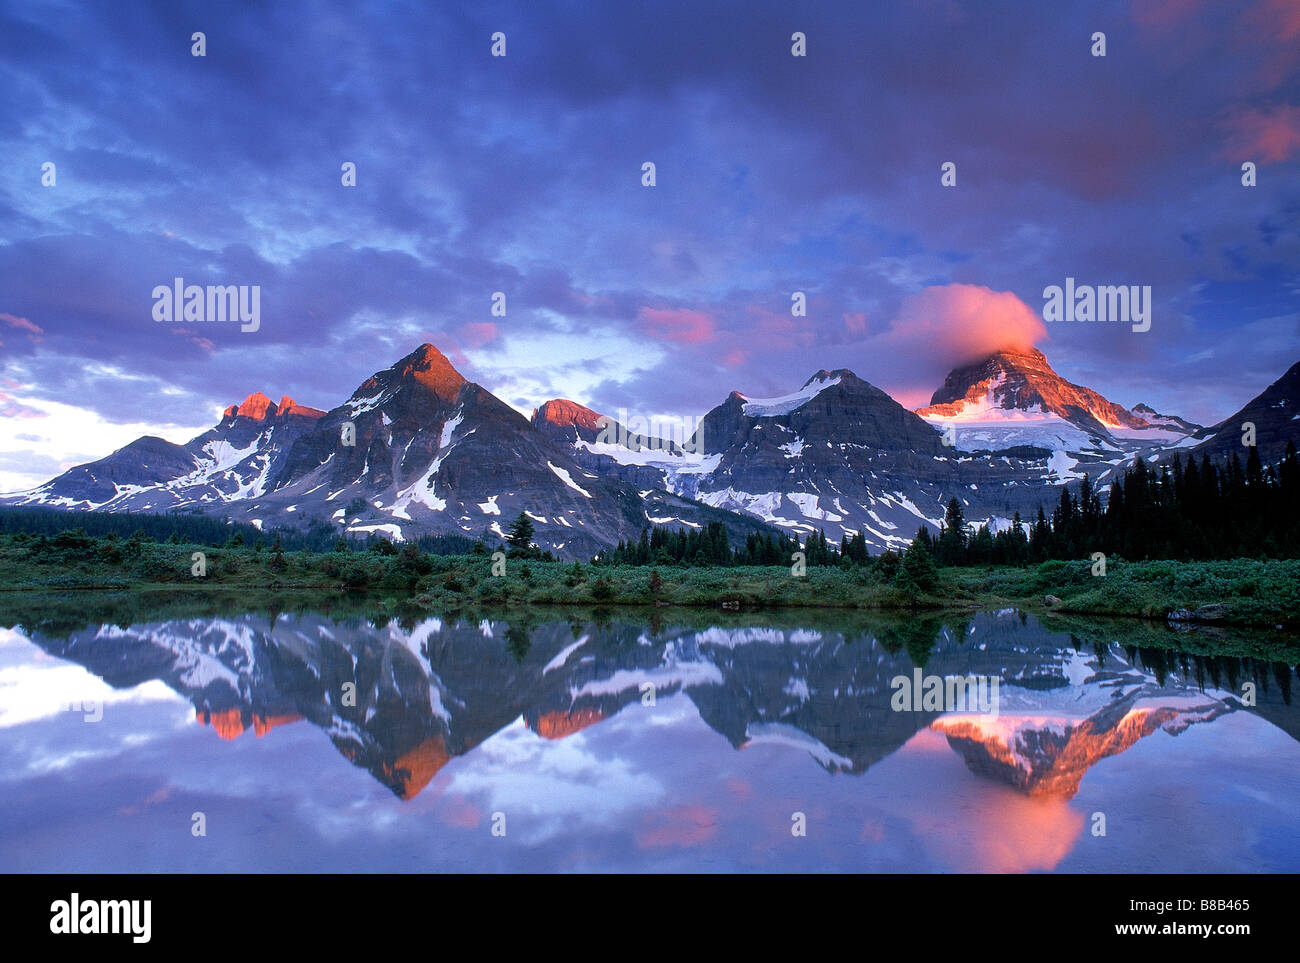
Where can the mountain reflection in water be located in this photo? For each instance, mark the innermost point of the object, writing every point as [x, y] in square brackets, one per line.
[455, 718]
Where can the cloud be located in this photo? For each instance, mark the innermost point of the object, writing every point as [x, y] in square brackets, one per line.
[11, 407]
[957, 323]
[22, 324]
[680, 325]
[1263, 136]
[478, 333]
[193, 337]
[940, 328]
[686, 825]
[1163, 13]
[532, 188]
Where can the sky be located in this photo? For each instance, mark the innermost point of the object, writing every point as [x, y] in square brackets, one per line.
[522, 174]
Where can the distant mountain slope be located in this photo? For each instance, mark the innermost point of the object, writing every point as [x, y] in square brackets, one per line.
[232, 460]
[1275, 413]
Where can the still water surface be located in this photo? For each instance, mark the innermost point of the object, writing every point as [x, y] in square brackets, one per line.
[331, 744]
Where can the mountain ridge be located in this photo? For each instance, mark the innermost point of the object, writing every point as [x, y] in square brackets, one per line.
[434, 453]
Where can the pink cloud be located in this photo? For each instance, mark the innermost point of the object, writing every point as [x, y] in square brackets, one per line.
[873, 830]
[461, 814]
[780, 331]
[962, 322]
[11, 407]
[478, 333]
[193, 337]
[22, 324]
[855, 322]
[739, 787]
[734, 358]
[941, 328]
[1163, 13]
[1266, 137]
[1259, 34]
[162, 795]
[680, 826]
[679, 325]
[1282, 18]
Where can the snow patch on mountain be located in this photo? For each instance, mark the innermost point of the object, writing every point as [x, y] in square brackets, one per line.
[784, 404]
[1061, 465]
[784, 734]
[808, 506]
[997, 428]
[565, 477]
[392, 530]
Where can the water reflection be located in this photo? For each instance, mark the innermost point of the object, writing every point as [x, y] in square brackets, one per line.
[610, 744]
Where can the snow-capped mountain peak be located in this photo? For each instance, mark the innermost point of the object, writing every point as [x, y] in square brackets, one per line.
[784, 404]
[1022, 380]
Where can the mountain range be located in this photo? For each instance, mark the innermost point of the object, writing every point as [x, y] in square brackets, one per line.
[418, 449]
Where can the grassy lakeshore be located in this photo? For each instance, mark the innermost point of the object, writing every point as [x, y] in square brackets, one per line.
[1252, 592]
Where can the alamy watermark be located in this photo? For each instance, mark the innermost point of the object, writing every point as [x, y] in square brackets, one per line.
[937, 693]
[655, 433]
[241, 303]
[122, 916]
[1126, 304]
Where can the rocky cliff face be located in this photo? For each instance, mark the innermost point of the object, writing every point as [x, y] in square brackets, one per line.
[568, 420]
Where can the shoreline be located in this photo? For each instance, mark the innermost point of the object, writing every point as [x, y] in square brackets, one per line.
[1242, 593]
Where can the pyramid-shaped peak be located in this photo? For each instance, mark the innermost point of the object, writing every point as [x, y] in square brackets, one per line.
[1022, 379]
[425, 352]
[428, 366]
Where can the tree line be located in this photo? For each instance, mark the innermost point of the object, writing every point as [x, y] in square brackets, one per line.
[190, 529]
[1182, 510]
